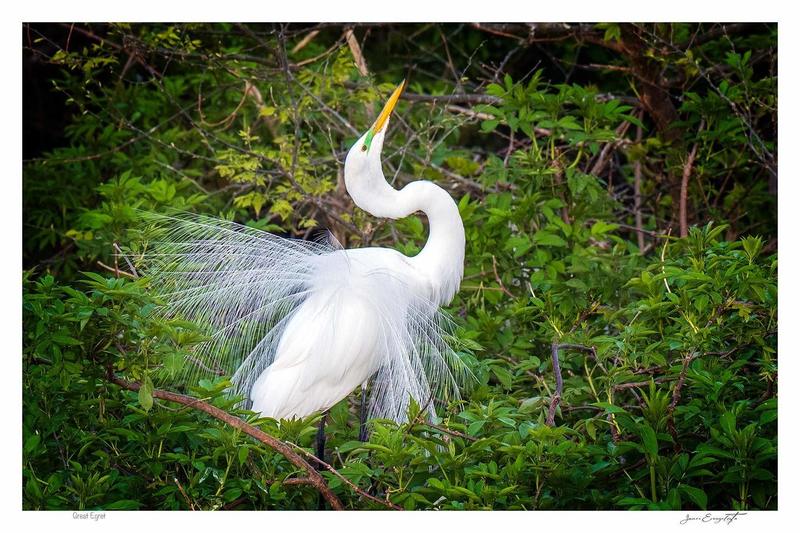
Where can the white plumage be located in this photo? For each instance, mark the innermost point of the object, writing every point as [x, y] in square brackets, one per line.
[301, 324]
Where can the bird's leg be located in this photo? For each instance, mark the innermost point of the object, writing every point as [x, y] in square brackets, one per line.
[321, 439]
[321, 454]
[362, 428]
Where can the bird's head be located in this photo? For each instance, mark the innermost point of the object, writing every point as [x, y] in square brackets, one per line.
[363, 175]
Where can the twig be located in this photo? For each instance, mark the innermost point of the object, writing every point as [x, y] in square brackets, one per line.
[540, 132]
[355, 49]
[687, 173]
[125, 257]
[583, 316]
[605, 153]
[345, 480]
[304, 41]
[185, 496]
[556, 399]
[361, 63]
[558, 179]
[468, 112]
[283, 448]
[623, 386]
[663, 254]
[91, 157]
[453, 98]
[335, 46]
[452, 432]
[93, 36]
[642, 231]
[456, 77]
[676, 397]
[199, 364]
[613, 425]
[509, 149]
[637, 191]
[497, 278]
[480, 288]
[117, 271]
[551, 412]
[230, 117]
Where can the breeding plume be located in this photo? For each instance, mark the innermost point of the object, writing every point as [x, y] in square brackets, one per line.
[301, 324]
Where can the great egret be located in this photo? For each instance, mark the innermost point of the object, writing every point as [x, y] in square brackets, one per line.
[303, 324]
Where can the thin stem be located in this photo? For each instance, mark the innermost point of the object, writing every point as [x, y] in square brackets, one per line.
[653, 495]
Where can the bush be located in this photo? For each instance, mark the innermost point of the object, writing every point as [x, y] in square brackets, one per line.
[573, 197]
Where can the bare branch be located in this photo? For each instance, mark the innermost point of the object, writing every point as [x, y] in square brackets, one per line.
[556, 399]
[687, 173]
[314, 478]
[637, 192]
[349, 483]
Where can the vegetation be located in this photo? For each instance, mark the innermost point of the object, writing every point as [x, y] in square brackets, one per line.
[619, 307]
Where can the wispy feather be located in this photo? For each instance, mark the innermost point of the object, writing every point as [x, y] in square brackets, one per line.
[246, 286]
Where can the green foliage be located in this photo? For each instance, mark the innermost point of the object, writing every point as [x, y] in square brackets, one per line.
[675, 408]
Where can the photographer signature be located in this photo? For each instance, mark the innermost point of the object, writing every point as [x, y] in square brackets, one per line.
[712, 518]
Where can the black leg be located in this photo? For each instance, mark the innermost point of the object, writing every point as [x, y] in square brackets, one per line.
[321, 454]
[362, 429]
[321, 439]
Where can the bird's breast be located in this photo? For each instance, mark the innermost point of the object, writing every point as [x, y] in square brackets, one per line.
[339, 336]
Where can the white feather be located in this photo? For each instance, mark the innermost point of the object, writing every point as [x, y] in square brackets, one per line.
[302, 324]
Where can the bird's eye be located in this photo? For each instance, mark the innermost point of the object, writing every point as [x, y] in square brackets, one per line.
[364, 147]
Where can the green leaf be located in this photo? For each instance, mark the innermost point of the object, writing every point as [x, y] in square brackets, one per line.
[728, 422]
[544, 238]
[244, 451]
[31, 443]
[609, 408]
[122, 505]
[601, 228]
[698, 496]
[146, 394]
[475, 427]
[650, 440]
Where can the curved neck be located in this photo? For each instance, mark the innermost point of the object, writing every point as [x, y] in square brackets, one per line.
[442, 257]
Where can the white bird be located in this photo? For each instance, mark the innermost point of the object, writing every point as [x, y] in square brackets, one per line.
[303, 324]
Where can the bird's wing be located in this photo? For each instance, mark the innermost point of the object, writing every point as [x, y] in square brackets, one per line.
[239, 283]
[420, 358]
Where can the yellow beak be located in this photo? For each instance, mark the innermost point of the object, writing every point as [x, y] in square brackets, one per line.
[388, 108]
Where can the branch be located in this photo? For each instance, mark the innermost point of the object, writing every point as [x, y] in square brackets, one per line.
[676, 397]
[349, 483]
[185, 496]
[452, 432]
[637, 192]
[453, 98]
[720, 31]
[556, 399]
[500, 281]
[313, 477]
[304, 41]
[638, 384]
[355, 49]
[602, 159]
[130, 265]
[117, 272]
[687, 173]
[530, 33]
